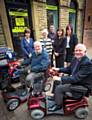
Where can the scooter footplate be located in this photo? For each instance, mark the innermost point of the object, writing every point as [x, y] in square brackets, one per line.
[58, 112]
[51, 103]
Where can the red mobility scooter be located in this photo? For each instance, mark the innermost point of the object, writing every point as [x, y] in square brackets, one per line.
[10, 71]
[13, 97]
[39, 104]
[8, 61]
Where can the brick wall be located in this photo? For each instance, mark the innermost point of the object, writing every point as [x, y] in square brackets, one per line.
[39, 18]
[64, 16]
[87, 38]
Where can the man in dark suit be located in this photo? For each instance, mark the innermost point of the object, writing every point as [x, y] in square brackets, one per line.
[80, 71]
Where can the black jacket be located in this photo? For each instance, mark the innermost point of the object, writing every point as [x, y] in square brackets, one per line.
[83, 73]
[72, 43]
[60, 45]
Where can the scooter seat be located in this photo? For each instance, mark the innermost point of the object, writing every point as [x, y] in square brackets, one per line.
[79, 89]
[77, 92]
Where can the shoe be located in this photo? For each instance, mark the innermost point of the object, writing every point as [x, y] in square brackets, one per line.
[54, 108]
[51, 98]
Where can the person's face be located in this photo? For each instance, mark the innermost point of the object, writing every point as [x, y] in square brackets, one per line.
[79, 52]
[59, 33]
[38, 49]
[27, 35]
[69, 31]
[44, 34]
[52, 29]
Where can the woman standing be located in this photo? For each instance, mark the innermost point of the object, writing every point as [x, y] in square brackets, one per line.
[27, 46]
[59, 48]
[46, 42]
[71, 41]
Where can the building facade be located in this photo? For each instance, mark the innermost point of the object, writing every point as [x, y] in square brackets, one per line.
[16, 15]
[87, 38]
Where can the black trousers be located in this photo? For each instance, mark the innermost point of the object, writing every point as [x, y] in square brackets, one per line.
[59, 93]
[52, 58]
[77, 92]
[59, 61]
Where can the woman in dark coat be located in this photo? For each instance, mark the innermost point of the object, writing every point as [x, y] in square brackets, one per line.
[71, 41]
[59, 48]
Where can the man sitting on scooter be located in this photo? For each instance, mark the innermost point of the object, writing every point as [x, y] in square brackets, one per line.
[39, 65]
[80, 71]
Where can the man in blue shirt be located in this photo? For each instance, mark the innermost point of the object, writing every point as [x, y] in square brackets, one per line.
[39, 64]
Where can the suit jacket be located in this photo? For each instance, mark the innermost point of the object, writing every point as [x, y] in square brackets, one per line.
[72, 43]
[83, 73]
[60, 45]
[27, 48]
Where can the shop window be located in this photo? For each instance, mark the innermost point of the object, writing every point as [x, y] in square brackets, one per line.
[52, 13]
[73, 14]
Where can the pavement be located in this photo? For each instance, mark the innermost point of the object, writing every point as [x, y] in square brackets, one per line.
[21, 113]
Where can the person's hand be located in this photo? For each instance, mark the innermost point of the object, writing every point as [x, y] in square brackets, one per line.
[30, 55]
[57, 78]
[61, 74]
[54, 68]
[56, 54]
[28, 69]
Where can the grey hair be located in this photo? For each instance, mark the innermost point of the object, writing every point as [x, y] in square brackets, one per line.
[44, 31]
[37, 43]
[81, 46]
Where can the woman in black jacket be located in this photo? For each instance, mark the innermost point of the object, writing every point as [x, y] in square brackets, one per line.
[59, 48]
[71, 41]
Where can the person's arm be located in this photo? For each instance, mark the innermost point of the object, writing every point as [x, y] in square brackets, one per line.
[32, 44]
[75, 39]
[66, 70]
[43, 64]
[84, 72]
[23, 47]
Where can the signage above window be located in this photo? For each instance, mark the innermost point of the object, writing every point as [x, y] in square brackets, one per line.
[51, 7]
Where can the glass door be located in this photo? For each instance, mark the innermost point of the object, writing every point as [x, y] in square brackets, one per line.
[52, 18]
[72, 20]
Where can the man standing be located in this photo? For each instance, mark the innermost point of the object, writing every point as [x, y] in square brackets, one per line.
[80, 70]
[52, 36]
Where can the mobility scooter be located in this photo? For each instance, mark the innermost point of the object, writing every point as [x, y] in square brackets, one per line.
[8, 61]
[13, 97]
[38, 105]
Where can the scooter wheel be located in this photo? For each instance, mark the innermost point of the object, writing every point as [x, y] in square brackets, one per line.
[12, 104]
[37, 114]
[82, 113]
